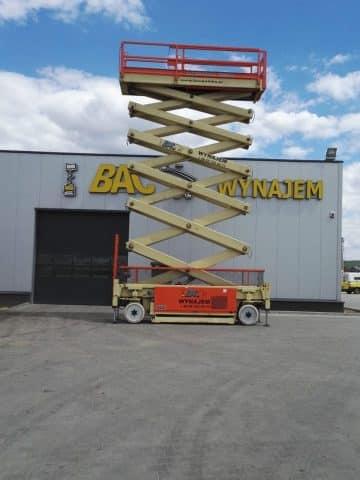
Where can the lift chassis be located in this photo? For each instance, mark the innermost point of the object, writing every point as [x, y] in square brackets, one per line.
[187, 78]
[241, 305]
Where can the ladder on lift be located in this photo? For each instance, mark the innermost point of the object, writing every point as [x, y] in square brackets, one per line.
[201, 78]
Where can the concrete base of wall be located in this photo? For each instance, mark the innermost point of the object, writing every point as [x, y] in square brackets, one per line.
[307, 305]
[9, 299]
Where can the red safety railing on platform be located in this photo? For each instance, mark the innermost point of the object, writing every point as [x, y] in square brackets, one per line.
[189, 60]
[135, 273]
[241, 276]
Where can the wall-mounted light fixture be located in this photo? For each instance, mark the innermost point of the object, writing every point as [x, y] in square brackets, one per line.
[331, 154]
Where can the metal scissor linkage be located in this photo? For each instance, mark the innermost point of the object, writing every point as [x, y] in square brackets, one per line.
[201, 78]
[220, 113]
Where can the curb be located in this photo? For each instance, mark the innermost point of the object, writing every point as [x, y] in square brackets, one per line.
[352, 309]
[100, 316]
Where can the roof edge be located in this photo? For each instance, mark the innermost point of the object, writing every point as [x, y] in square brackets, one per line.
[122, 155]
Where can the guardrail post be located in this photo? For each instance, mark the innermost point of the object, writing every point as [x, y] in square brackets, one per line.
[116, 256]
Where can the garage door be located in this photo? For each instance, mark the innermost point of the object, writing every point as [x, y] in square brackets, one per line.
[73, 263]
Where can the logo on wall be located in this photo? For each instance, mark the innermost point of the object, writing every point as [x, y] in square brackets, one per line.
[114, 179]
[70, 187]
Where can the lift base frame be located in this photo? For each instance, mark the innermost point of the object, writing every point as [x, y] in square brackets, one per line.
[124, 293]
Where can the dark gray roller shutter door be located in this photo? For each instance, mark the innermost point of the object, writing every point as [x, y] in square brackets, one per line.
[74, 253]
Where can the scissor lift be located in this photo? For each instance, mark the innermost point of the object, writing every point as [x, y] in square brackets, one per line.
[201, 78]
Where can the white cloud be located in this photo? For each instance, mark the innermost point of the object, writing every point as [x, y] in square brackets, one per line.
[351, 211]
[316, 62]
[279, 123]
[131, 12]
[351, 228]
[351, 178]
[64, 110]
[339, 58]
[295, 151]
[350, 122]
[297, 68]
[273, 82]
[340, 88]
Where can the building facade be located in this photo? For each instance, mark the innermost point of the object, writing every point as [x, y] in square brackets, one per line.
[59, 213]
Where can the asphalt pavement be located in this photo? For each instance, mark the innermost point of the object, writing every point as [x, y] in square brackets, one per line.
[82, 398]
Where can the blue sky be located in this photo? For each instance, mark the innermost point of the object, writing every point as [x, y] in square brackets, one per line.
[59, 66]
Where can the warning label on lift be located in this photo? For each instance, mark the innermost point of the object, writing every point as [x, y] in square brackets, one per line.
[194, 299]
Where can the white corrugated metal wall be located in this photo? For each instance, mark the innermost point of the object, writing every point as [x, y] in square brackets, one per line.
[296, 241]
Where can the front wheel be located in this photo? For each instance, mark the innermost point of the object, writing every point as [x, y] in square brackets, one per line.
[357, 290]
[134, 312]
[248, 315]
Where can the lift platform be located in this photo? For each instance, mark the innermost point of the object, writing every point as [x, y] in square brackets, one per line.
[201, 78]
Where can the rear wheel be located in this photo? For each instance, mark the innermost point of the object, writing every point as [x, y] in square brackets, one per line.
[134, 312]
[248, 315]
[357, 290]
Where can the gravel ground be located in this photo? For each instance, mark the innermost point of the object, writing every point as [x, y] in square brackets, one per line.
[82, 398]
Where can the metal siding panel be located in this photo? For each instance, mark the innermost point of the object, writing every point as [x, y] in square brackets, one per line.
[244, 228]
[180, 246]
[329, 235]
[339, 266]
[265, 246]
[309, 238]
[266, 256]
[52, 181]
[288, 239]
[28, 184]
[9, 193]
[138, 227]
[194, 248]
